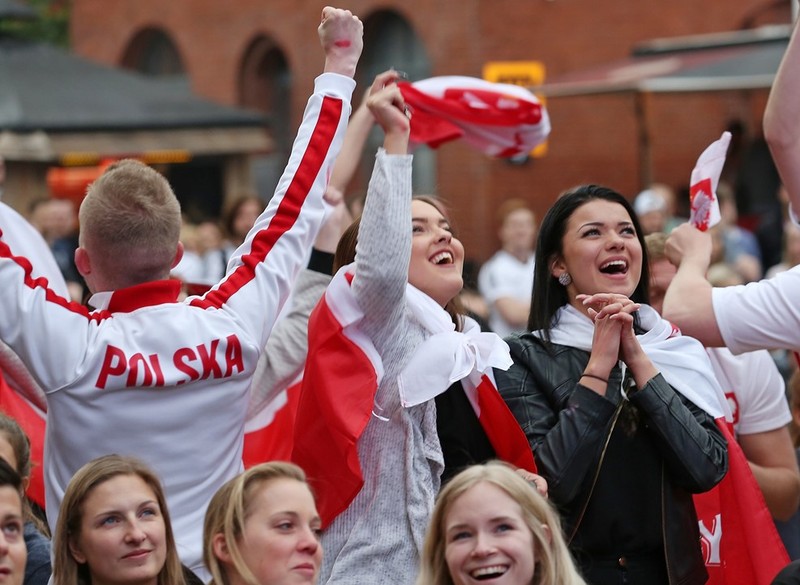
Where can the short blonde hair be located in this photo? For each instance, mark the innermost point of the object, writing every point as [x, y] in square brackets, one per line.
[554, 563]
[66, 570]
[228, 510]
[131, 218]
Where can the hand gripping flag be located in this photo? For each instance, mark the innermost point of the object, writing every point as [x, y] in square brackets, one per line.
[336, 402]
[498, 119]
[705, 179]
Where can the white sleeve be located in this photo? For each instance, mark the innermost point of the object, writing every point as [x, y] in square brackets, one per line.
[261, 272]
[760, 315]
[754, 388]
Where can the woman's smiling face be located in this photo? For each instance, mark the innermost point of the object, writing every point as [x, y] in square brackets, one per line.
[487, 539]
[437, 257]
[600, 251]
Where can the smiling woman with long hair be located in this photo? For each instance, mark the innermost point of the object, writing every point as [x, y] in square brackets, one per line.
[397, 288]
[489, 523]
[618, 407]
[114, 528]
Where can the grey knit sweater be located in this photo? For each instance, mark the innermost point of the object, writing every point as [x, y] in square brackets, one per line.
[379, 537]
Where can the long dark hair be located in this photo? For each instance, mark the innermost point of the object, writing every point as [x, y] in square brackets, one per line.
[346, 253]
[548, 295]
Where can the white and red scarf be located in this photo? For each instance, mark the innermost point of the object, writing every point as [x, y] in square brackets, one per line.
[498, 119]
[738, 537]
[344, 370]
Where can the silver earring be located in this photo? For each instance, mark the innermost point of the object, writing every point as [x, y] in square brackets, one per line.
[565, 279]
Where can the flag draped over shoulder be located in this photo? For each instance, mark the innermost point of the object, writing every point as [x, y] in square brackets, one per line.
[340, 381]
[498, 119]
[705, 179]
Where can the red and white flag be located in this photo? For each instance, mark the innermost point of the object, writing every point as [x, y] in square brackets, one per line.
[268, 436]
[740, 543]
[498, 119]
[705, 179]
[336, 402]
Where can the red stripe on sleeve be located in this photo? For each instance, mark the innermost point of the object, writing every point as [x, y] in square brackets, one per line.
[289, 208]
[41, 283]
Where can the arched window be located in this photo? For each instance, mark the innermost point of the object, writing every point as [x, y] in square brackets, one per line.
[389, 41]
[153, 53]
[265, 85]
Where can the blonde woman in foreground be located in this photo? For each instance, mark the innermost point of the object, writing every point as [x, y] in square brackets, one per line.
[490, 524]
[262, 528]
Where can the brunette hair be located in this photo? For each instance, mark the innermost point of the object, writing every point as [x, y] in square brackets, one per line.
[548, 295]
[554, 564]
[66, 570]
[229, 218]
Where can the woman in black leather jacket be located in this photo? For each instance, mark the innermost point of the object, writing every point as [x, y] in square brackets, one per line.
[618, 407]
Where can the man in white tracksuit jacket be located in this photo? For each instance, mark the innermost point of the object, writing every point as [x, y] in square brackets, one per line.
[147, 375]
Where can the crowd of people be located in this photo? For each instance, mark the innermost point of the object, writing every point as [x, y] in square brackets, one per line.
[559, 422]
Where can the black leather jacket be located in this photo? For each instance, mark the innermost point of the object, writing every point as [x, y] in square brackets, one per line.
[568, 425]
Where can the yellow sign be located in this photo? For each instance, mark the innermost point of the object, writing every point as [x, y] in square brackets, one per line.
[523, 73]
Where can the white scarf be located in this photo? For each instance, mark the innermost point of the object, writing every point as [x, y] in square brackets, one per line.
[447, 355]
[681, 360]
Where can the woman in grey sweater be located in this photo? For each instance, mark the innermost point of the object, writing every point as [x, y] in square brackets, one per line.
[404, 290]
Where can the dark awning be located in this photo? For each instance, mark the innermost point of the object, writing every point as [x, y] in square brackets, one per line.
[16, 10]
[45, 88]
[724, 61]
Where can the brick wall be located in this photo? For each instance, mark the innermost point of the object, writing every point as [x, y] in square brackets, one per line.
[594, 139]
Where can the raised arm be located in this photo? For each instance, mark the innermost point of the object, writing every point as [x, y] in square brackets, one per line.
[782, 120]
[262, 271]
[384, 238]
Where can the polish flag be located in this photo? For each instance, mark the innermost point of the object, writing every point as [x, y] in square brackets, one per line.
[268, 436]
[705, 179]
[338, 390]
[32, 420]
[740, 543]
[498, 119]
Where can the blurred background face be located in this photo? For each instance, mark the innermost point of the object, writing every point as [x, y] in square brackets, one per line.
[246, 216]
[518, 232]
[653, 221]
[661, 274]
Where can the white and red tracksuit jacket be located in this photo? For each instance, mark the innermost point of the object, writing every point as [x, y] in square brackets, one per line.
[163, 380]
